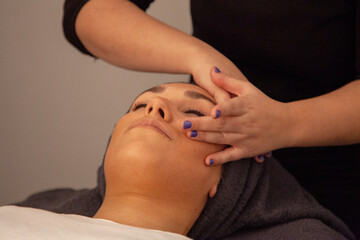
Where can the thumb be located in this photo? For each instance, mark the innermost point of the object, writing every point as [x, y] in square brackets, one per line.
[225, 82]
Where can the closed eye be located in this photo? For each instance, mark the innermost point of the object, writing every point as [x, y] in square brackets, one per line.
[139, 105]
[196, 112]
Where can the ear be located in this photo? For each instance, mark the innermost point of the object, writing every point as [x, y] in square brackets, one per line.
[213, 190]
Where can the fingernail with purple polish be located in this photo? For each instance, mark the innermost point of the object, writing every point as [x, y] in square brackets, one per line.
[261, 157]
[218, 113]
[187, 124]
[211, 162]
[217, 70]
[194, 133]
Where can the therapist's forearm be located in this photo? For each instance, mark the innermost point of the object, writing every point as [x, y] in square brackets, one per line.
[330, 119]
[120, 33]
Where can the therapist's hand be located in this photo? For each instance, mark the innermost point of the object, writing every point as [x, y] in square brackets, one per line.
[203, 61]
[250, 122]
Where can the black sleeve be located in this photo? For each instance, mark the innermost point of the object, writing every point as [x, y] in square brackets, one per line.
[143, 4]
[72, 9]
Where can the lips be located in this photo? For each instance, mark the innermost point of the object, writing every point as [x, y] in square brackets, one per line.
[151, 124]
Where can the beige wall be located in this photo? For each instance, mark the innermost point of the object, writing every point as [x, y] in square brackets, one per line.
[57, 106]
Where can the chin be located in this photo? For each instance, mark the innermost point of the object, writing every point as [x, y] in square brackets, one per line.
[144, 148]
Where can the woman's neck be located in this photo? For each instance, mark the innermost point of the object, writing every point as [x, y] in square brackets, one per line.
[148, 212]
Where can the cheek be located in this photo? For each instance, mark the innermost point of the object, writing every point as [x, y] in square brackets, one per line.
[122, 125]
[200, 148]
[192, 166]
[192, 157]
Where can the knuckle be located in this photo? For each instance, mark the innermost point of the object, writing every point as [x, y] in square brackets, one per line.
[236, 106]
[221, 123]
[223, 137]
[231, 157]
[236, 154]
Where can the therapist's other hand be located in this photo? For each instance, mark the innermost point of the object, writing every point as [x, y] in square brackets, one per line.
[250, 122]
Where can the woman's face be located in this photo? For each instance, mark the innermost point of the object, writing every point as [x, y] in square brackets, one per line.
[149, 151]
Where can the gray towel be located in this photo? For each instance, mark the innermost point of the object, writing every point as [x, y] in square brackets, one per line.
[254, 201]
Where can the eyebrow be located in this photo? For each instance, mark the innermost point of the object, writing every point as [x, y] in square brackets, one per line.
[197, 95]
[156, 89]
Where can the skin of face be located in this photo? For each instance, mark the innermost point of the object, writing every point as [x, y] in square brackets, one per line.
[150, 155]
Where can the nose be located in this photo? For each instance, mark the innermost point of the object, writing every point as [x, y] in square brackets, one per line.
[158, 108]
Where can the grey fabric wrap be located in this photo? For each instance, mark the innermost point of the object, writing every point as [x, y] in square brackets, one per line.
[252, 196]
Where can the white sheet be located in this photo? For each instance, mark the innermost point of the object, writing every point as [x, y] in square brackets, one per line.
[29, 223]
